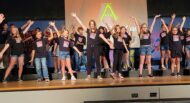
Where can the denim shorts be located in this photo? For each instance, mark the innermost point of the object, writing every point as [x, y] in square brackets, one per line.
[164, 47]
[187, 47]
[16, 56]
[146, 50]
[64, 55]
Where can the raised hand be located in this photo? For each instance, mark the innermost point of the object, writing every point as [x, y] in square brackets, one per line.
[183, 18]
[73, 14]
[31, 22]
[173, 16]
[52, 23]
[157, 16]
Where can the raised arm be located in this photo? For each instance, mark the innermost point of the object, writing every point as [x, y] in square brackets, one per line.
[106, 41]
[28, 27]
[163, 22]
[182, 24]
[52, 23]
[153, 23]
[51, 34]
[2, 18]
[137, 24]
[172, 21]
[78, 20]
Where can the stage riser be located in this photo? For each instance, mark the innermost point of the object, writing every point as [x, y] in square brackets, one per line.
[98, 94]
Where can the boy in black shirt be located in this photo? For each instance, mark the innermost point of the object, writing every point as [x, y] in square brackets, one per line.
[40, 53]
[80, 41]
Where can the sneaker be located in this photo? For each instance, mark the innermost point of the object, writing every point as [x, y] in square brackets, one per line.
[47, 80]
[4, 81]
[172, 74]
[73, 78]
[120, 76]
[178, 75]
[88, 77]
[63, 78]
[150, 75]
[39, 80]
[163, 67]
[19, 80]
[112, 75]
[99, 78]
[140, 75]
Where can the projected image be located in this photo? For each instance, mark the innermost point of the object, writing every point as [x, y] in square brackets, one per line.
[109, 11]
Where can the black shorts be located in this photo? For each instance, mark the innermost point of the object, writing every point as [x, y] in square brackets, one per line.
[176, 53]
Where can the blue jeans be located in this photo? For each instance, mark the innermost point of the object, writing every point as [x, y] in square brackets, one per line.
[187, 47]
[41, 63]
[78, 61]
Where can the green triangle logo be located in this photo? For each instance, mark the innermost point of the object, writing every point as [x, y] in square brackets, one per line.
[108, 11]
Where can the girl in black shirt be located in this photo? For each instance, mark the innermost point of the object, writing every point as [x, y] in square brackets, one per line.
[16, 45]
[175, 48]
[127, 39]
[164, 45]
[64, 51]
[93, 44]
[145, 43]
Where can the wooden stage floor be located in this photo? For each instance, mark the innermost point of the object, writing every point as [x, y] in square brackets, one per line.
[94, 83]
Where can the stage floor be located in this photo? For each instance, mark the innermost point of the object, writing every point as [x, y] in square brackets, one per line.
[94, 83]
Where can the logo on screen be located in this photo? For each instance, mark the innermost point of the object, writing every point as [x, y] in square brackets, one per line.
[108, 12]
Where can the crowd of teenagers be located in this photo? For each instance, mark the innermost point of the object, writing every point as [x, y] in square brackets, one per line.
[174, 41]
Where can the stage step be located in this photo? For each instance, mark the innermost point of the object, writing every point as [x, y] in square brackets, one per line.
[105, 74]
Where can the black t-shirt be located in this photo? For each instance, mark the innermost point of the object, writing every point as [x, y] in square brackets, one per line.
[164, 38]
[53, 41]
[64, 44]
[145, 39]
[3, 36]
[175, 42]
[182, 38]
[16, 45]
[118, 43]
[93, 39]
[40, 47]
[79, 39]
[187, 40]
[127, 39]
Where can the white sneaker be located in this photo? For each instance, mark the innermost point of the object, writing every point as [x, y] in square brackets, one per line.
[73, 78]
[99, 78]
[88, 77]
[63, 78]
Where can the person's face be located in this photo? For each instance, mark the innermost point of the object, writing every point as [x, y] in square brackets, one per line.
[39, 35]
[5, 26]
[123, 30]
[174, 31]
[101, 31]
[81, 32]
[66, 34]
[188, 32]
[117, 29]
[14, 31]
[92, 25]
[144, 28]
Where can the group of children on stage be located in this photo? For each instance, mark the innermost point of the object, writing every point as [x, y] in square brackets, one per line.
[174, 41]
